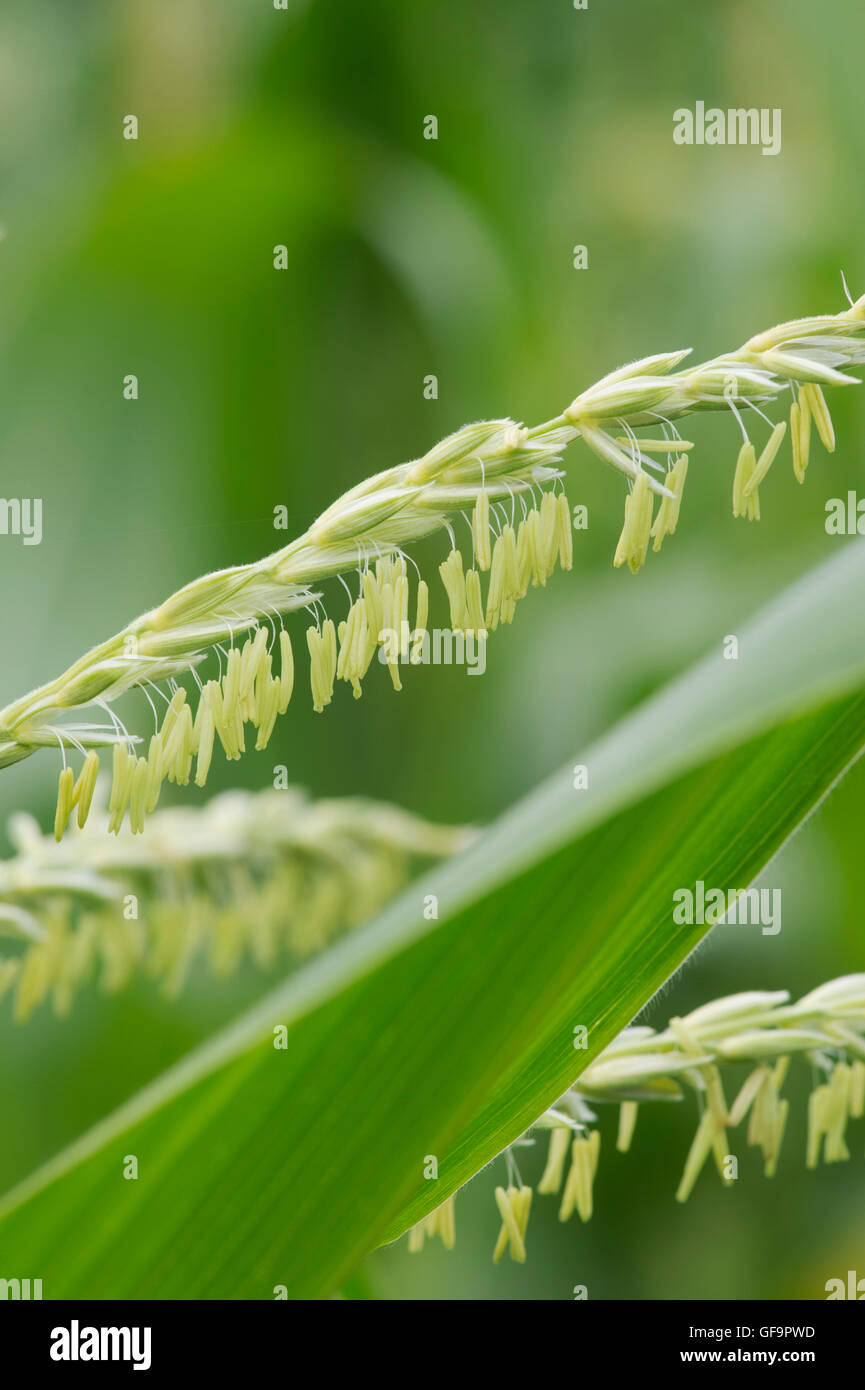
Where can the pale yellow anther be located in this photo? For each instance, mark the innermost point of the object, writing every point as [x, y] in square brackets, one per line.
[816, 1124]
[771, 1159]
[495, 590]
[206, 732]
[804, 434]
[837, 1112]
[253, 657]
[745, 504]
[421, 617]
[560, 1143]
[796, 441]
[636, 532]
[549, 533]
[668, 512]
[322, 663]
[121, 786]
[564, 532]
[85, 786]
[628, 1111]
[268, 710]
[65, 801]
[748, 1093]
[372, 596]
[286, 670]
[263, 679]
[401, 623]
[701, 1147]
[512, 578]
[644, 534]
[177, 748]
[313, 642]
[137, 795]
[474, 620]
[524, 555]
[224, 729]
[766, 459]
[820, 413]
[328, 637]
[155, 768]
[578, 1187]
[388, 630]
[364, 646]
[536, 549]
[655, 446]
[514, 1206]
[451, 571]
[345, 634]
[446, 1223]
[231, 685]
[481, 530]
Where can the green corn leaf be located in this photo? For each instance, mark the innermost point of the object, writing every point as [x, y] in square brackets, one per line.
[264, 1166]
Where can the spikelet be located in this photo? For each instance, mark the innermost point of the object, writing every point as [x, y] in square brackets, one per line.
[758, 1025]
[279, 876]
[477, 466]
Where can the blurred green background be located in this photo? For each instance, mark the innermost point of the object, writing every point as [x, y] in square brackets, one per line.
[261, 388]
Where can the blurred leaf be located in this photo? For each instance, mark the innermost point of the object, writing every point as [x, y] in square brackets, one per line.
[261, 1167]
